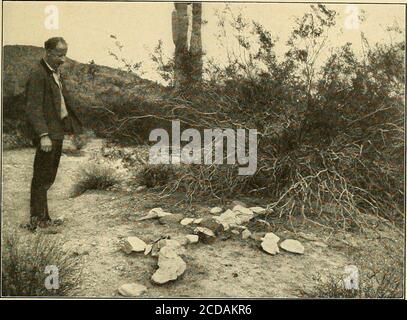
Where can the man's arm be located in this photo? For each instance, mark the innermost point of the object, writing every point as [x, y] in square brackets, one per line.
[34, 103]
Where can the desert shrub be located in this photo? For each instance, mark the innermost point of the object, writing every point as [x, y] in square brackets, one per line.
[15, 140]
[330, 133]
[155, 175]
[329, 137]
[24, 261]
[96, 176]
[379, 281]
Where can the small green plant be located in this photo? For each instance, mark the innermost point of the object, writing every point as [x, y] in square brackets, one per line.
[25, 262]
[96, 176]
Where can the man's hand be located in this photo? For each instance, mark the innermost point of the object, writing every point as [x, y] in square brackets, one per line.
[46, 144]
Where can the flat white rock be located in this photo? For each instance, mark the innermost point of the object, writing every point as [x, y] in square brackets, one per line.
[269, 243]
[132, 289]
[155, 213]
[192, 238]
[205, 235]
[257, 209]
[216, 210]
[148, 249]
[293, 246]
[187, 221]
[242, 209]
[271, 236]
[270, 247]
[170, 266]
[171, 244]
[134, 244]
[141, 188]
[160, 212]
[246, 234]
[206, 231]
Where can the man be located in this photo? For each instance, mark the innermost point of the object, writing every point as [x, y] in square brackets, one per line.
[51, 117]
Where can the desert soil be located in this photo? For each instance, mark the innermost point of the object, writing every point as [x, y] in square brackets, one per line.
[96, 222]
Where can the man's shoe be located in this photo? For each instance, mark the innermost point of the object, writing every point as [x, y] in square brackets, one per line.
[49, 223]
[43, 224]
[32, 225]
[28, 226]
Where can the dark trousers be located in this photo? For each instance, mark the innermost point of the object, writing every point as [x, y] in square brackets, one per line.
[45, 170]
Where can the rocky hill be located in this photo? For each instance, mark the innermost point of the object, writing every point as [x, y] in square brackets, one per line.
[93, 87]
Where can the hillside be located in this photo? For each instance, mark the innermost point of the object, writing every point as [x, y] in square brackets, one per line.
[91, 86]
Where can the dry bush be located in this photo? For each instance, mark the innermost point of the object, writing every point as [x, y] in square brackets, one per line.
[96, 176]
[155, 175]
[24, 261]
[383, 278]
[331, 139]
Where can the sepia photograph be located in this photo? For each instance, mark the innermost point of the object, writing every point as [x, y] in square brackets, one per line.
[181, 150]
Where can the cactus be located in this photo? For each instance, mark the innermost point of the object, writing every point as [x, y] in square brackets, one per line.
[187, 61]
[196, 42]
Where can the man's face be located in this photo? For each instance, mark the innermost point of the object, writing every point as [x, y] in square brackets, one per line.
[56, 57]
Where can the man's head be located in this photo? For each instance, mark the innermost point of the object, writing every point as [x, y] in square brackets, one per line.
[55, 51]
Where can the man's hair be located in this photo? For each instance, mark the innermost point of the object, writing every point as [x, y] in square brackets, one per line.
[52, 43]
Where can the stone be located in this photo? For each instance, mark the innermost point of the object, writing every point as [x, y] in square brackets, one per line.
[236, 232]
[141, 188]
[187, 221]
[240, 228]
[148, 216]
[171, 244]
[148, 249]
[242, 209]
[212, 224]
[172, 218]
[227, 219]
[270, 243]
[246, 234]
[237, 216]
[192, 238]
[181, 240]
[258, 210]
[160, 212]
[270, 247]
[134, 244]
[155, 213]
[132, 290]
[205, 235]
[271, 236]
[239, 203]
[292, 246]
[198, 221]
[216, 210]
[170, 266]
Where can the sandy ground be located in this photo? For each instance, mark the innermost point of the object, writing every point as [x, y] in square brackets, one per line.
[96, 221]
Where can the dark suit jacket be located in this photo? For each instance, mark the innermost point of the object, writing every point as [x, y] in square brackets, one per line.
[43, 105]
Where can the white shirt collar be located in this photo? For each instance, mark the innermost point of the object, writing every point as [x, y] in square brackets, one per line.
[52, 69]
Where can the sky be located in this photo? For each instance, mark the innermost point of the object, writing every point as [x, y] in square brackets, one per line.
[88, 26]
